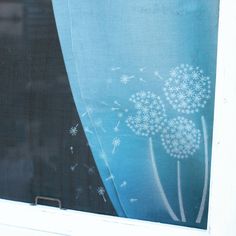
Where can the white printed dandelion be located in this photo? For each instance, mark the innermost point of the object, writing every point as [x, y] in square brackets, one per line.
[99, 124]
[125, 79]
[181, 139]
[187, 89]
[115, 143]
[73, 130]
[206, 175]
[89, 111]
[101, 192]
[149, 119]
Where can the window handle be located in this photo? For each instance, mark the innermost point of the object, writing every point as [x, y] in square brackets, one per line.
[37, 198]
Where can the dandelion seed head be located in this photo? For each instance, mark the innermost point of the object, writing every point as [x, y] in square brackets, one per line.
[180, 138]
[100, 191]
[187, 89]
[150, 114]
[116, 142]
[73, 131]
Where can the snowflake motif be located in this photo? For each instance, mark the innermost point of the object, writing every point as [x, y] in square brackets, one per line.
[150, 117]
[180, 138]
[187, 89]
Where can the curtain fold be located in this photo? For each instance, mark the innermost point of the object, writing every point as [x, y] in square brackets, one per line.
[142, 74]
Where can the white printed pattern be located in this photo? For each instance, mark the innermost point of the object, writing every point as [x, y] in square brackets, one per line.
[115, 143]
[73, 130]
[187, 89]
[101, 192]
[180, 138]
[150, 117]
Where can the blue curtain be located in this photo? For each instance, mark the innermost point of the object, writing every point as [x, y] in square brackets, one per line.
[142, 74]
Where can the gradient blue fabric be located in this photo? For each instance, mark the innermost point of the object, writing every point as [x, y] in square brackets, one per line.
[142, 74]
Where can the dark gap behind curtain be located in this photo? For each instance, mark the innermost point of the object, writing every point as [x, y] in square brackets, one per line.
[38, 153]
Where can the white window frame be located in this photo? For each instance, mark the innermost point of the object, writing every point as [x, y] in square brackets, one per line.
[41, 220]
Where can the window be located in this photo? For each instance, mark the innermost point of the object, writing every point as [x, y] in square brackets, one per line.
[69, 128]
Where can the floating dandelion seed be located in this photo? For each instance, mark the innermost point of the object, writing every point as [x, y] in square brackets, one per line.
[91, 169]
[116, 128]
[133, 200]
[99, 124]
[101, 192]
[181, 139]
[73, 167]
[123, 184]
[104, 103]
[79, 191]
[142, 80]
[73, 130]
[119, 111]
[115, 68]
[149, 120]
[115, 142]
[89, 111]
[71, 149]
[87, 130]
[125, 79]
[156, 73]
[117, 103]
[111, 177]
[187, 89]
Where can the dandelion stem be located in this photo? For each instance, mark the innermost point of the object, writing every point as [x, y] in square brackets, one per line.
[181, 206]
[104, 199]
[159, 184]
[204, 193]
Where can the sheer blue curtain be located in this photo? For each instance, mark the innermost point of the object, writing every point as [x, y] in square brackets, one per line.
[142, 74]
